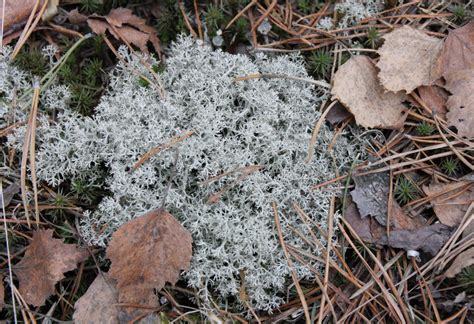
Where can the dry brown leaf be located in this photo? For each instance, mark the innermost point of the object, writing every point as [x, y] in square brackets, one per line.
[146, 253]
[75, 17]
[357, 87]
[458, 51]
[45, 261]
[461, 103]
[408, 59]
[463, 260]
[97, 304]
[17, 12]
[338, 114]
[435, 98]
[8, 194]
[450, 201]
[124, 25]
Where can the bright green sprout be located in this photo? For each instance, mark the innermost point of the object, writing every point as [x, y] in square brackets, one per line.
[425, 129]
[459, 12]
[450, 166]
[373, 38]
[320, 62]
[405, 190]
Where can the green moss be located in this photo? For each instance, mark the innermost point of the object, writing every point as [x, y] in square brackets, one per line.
[425, 129]
[405, 190]
[450, 166]
[32, 59]
[320, 63]
[373, 38]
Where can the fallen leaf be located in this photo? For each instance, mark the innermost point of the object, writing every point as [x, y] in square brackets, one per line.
[51, 10]
[338, 114]
[97, 304]
[45, 261]
[75, 17]
[463, 260]
[435, 98]
[17, 12]
[8, 194]
[371, 195]
[458, 51]
[146, 253]
[461, 103]
[427, 238]
[408, 59]
[357, 87]
[124, 25]
[450, 201]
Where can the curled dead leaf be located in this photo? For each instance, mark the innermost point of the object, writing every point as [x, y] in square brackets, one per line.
[44, 264]
[146, 253]
[357, 87]
[408, 59]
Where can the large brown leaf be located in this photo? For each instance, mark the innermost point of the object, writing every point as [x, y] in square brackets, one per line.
[97, 304]
[146, 253]
[435, 98]
[44, 264]
[357, 87]
[408, 59]
[458, 51]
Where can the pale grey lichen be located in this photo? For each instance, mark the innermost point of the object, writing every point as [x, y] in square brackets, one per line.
[351, 12]
[237, 125]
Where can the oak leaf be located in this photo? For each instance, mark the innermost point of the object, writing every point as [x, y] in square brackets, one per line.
[97, 305]
[146, 253]
[357, 87]
[408, 59]
[44, 264]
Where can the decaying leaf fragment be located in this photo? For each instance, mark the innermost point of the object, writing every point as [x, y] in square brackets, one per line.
[408, 59]
[97, 304]
[357, 87]
[45, 261]
[458, 51]
[371, 195]
[146, 253]
[461, 103]
[435, 98]
[427, 238]
[124, 25]
[450, 201]
[463, 260]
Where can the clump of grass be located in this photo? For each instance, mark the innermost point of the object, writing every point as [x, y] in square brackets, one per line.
[450, 166]
[214, 17]
[459, 12]
[405, 190]
[320, 63]
[425, 129]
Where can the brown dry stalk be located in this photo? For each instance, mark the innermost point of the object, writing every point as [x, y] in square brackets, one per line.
[29, 149]
[157, 149]
[290, 264]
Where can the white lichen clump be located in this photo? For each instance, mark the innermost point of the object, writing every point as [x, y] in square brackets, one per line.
[247, 150]
[350, 13]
